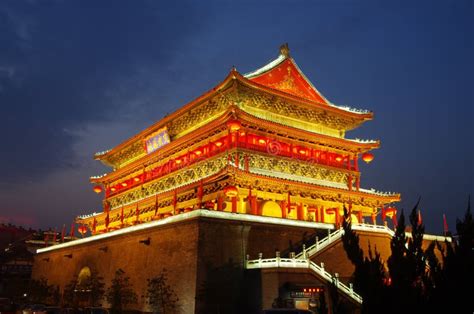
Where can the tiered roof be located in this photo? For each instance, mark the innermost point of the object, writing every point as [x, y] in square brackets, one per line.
[280, 82]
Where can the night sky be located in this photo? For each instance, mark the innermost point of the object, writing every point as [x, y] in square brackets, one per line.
[78, 77]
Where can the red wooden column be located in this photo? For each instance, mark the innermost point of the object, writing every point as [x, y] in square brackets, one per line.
[288, 203]
[284, 209]
[359, 216]
[321, 210]
[253, 205]
[300, 211]
[220, 203]
[234, 204]
[252, 201]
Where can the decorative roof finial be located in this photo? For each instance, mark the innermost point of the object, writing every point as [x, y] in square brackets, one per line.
[285, 50]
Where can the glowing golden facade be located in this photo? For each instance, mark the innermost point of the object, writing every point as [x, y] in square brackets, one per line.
[266, 143]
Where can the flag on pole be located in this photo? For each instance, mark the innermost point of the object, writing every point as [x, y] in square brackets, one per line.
[46, 236]
[45, 239]
[54, 236]
[72, 230]
[107, 221]
[289, 203]
[445, 225]
[63, 232]
[420, 220]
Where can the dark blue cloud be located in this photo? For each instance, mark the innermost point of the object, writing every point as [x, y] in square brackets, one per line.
[62, 62]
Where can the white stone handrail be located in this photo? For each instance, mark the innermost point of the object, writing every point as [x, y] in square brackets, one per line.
[279, 262]
[373, 228]
[320, 244]
[336, 235]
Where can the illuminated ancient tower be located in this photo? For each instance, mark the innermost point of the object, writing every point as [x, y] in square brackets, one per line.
[267, 143]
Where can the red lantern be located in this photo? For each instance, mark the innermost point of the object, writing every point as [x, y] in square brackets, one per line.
[338, 158]
[367, 157]
[209, 205]
[124, 184]
[231, 191]
[97, 189]
[389, 212]
[113, 189]
[82, 230]
[234, 125]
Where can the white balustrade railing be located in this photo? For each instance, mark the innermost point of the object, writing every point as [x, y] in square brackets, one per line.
[372, 228]
[302, 259]
[279, 262]
[336, 235]
[320, 244]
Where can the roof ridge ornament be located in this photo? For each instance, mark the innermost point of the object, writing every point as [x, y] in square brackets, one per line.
[285, 50]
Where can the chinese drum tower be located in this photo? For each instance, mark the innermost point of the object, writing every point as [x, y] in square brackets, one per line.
[266, 143]
[255, 174]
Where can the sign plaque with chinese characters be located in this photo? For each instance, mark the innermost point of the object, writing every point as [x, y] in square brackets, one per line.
[157, 140]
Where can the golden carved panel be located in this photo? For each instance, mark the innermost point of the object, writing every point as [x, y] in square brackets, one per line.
[298, 168]
[279, 110]
[182, 177]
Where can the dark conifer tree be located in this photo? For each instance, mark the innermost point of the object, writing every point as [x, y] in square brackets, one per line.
[161, 295]
[369, 274]
[458, 267]
[120, 294]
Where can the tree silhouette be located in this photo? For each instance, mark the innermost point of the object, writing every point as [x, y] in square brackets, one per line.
[120, 294]
[161, 296]
[458, 265]
[39, 291]
[408, 265]
[418, 281]
[69, 299]
[369, 274]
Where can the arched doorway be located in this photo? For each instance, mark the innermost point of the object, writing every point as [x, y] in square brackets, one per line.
[271, 209]
[85, 290]
[84, 277]
[83, 287]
